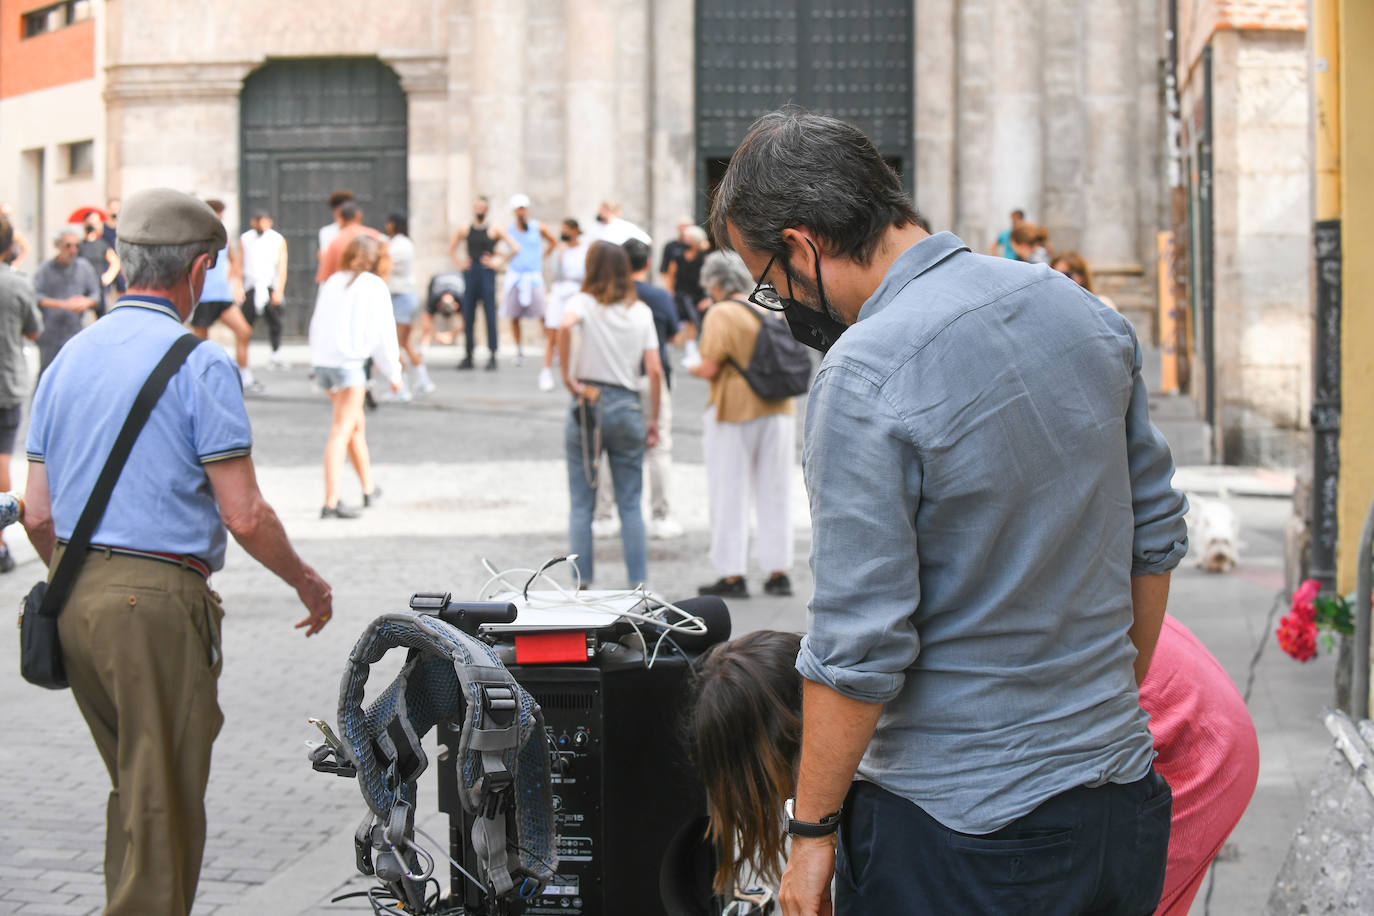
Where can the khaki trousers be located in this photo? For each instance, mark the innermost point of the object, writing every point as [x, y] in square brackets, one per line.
[141, 642]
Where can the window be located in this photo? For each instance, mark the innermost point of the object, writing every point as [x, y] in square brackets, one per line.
[56, 16]
[80, 158]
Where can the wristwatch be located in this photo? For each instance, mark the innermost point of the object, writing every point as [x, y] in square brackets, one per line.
[828, 824]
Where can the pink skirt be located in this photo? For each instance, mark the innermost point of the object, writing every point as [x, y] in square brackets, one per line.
[1206, 750]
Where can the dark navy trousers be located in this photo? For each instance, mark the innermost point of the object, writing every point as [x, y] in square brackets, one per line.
[1090, 850]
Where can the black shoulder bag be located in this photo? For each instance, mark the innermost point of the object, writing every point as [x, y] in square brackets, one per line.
[40, 651]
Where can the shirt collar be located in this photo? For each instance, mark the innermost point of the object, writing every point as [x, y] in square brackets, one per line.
[909, 265]
[152, 303]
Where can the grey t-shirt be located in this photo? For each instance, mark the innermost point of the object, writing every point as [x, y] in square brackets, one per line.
[55, 280]
[19, 318]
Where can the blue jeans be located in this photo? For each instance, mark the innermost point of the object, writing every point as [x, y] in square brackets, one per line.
[622, 438]
[1100, 850]
[479, 283]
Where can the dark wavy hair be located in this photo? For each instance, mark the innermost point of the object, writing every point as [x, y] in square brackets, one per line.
[796, 168]
[744, 731]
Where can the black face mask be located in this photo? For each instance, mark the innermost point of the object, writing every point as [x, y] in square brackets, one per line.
[815, 329]
[566, 237]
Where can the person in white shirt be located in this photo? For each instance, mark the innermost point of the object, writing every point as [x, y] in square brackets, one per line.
[353, 322]
[614, 228]
[262, 254]
[405, 303]
[616, 333]
[569, 269]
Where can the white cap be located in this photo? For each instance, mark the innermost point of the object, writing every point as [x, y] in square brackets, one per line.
[519, 200]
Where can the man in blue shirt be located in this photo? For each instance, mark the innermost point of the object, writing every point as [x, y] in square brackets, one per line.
[140, 631]
[993, 530]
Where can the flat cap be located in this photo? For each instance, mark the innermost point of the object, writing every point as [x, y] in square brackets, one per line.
[162, 216]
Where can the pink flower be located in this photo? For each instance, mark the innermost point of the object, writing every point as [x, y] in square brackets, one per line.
[1297, 637]
[1303, 606]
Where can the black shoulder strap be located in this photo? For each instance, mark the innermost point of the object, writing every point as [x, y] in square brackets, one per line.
[80, 540]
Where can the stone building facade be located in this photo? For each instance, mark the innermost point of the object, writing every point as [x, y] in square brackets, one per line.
[1007, 103]
[1246, 135]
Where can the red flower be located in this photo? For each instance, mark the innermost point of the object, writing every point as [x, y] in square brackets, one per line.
[1297, 637]
[1304, 607]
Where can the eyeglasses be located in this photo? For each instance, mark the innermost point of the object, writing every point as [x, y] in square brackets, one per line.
[766, 295]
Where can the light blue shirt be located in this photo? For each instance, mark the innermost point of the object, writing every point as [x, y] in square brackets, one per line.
[216, 287]
[984, 482]
[530, 260]
[163, 501]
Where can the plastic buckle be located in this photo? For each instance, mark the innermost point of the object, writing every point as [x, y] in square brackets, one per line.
[499, 704]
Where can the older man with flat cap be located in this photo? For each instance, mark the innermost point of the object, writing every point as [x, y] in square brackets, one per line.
[140, 629]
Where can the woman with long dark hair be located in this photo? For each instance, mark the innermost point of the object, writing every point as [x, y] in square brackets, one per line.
[616, 335]
[744, 730]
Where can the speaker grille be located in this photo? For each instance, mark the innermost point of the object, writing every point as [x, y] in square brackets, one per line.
[580, 700]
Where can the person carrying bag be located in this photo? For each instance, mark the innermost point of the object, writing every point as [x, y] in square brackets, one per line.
[40, 656]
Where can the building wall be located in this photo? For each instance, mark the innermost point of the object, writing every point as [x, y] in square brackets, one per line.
[43, 61]
[50, 96]
[1261, 234]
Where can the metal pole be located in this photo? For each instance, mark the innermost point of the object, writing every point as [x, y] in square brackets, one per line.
[1359, 690]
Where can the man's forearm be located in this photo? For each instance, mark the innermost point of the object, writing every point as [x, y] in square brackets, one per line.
[265, 539]
[836, 731]
[1149, 597]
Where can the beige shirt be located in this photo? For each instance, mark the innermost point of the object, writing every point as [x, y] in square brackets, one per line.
[728, 333]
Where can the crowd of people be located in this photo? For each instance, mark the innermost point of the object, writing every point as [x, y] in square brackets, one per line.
[954, 734]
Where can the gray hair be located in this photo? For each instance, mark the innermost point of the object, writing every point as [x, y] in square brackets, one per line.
[695, 234]
[77, 230]
[159, 266]
[725, 271]
[796, 169]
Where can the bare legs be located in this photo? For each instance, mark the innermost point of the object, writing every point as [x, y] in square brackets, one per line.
[243, 332]
[347, 436]
[408, 350]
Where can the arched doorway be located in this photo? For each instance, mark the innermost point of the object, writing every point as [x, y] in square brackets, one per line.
[309, 127]
[851, 59]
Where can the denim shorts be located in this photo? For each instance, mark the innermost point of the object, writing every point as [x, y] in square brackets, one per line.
[403, 306]
[336, 378]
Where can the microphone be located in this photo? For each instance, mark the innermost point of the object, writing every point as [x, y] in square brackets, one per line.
[713, 612]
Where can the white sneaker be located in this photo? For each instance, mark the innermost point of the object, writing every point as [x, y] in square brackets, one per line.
[603, 528]
[422, 383]
[395, 397]
[276, 361]
[691, 358]
[663, 529]
[546, 379]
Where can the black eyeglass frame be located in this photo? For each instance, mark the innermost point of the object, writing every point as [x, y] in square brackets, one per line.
[766, 295]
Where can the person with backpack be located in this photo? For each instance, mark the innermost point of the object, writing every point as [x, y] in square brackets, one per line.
[749, 431]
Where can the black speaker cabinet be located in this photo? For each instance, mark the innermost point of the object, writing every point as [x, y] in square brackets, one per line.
[623, 786]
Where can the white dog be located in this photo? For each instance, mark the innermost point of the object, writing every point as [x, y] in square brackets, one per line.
[1213, 534]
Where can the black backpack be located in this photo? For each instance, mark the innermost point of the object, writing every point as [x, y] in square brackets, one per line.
[780, 366]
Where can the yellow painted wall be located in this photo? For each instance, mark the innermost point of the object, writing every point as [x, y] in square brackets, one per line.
[1357, 319]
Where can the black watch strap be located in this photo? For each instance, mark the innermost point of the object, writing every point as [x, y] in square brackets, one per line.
[809, 829]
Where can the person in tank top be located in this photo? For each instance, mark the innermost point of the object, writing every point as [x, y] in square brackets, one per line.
[478, 264]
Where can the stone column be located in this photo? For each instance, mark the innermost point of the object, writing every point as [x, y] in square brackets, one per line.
[1065, 132]
[672, 138]
[590, 105]
[937, 73]
[547, 56]
[458, 118]
[425, 81]
[974, 167]
[1111, 199]
[497, 73]
[1016, 107]
[633, 97]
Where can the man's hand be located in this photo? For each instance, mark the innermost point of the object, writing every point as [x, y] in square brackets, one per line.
[318, 599]
[805, 888]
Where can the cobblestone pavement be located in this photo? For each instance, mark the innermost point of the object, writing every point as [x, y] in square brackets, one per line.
[477, 471]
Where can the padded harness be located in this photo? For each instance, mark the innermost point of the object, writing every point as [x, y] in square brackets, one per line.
[502, 759]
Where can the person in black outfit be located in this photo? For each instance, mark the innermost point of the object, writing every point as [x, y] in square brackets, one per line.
[479, 277]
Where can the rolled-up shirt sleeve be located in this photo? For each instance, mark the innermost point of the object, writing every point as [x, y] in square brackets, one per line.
[1161, 534]
[863, 477]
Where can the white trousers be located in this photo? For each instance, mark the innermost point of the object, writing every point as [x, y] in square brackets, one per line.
[750, 463]
[658, 461]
